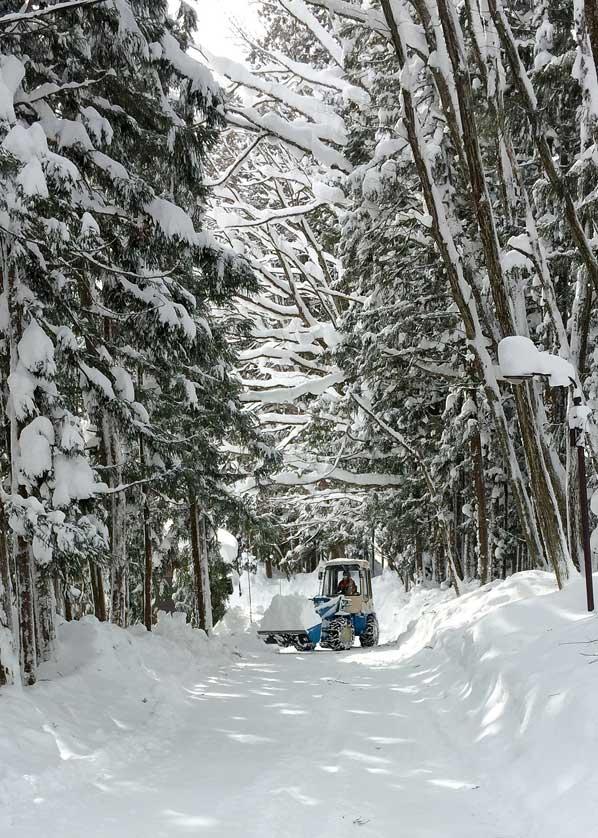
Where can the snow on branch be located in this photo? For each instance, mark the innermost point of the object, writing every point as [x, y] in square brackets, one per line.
[331, 126]
[268, 216]
[301, 135]
[327, 472]
[197, 73]
[17, 17]
[284, 395]
[319, 77]
[324, 472]
[298, 10]
[368, 17]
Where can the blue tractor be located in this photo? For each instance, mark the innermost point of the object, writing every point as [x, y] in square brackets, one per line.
[344, 610]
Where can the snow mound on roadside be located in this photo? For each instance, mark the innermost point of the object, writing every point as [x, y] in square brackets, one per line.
[236, 631]
[287, 613]
[107, 688]
[234, 622]
[175, 628]
[511, 665]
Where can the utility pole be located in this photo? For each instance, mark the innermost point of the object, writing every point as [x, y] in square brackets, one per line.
[578, 416]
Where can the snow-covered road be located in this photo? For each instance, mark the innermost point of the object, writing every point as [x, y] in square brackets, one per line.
[283, 745]
[473, 725]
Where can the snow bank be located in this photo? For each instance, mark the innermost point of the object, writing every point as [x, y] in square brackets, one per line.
[510, 664]
[107, 689]
[289, 612]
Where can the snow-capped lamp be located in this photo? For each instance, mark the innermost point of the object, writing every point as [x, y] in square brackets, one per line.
[519, 361]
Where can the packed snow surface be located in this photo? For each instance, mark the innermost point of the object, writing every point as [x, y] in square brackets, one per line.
[477, 721]
[286, 613]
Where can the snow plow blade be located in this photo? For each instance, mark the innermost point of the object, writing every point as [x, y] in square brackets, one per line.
[303, 640]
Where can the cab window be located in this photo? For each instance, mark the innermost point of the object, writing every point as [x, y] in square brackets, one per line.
[342, 580]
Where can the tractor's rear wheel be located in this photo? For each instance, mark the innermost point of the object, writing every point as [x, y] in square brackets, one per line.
[340, 634]
[371, 633]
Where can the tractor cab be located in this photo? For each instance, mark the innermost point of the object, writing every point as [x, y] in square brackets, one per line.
[353, 580]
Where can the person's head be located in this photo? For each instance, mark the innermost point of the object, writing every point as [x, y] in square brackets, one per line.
[346, 574]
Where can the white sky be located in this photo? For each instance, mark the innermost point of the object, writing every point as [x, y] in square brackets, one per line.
[216, 22]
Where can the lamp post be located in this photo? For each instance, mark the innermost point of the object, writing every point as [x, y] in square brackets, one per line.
[519, 360]
[578, 416]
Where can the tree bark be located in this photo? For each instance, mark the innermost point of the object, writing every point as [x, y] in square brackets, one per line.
[419, 558]
[591, 13]
[118, 549]
[205, 575]
[24, 579]
[97, 590]
[45, 628]
[26, 612]
[7, 674]
[196, 561]
[482, 519]
[148, 565]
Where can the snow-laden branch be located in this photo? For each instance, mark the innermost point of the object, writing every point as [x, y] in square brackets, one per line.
[301, 135]
[285, 395]
[299, 11]
[330, 124]
[370, 18]
[17, 17]
[268, 216]
[320, 78]
[369, 479]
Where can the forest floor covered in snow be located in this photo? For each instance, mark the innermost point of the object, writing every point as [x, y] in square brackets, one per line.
[475, 719]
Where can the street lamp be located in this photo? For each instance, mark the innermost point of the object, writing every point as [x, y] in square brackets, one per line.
[519, 360]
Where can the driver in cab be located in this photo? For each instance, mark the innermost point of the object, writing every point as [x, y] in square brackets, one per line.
[347, 586]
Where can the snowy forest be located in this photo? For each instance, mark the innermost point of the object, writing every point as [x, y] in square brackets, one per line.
[258, 297]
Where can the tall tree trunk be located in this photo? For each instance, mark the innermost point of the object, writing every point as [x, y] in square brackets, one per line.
[45, 627]
[24, 580]
[205, 575]
[58, 593]
[482, 520]
[97, 591]
[7, 644]
[419, 559]
[196, 561]
[118, 511]
[147, 579]
[547, 489]
[26, 612]
[591, 12]
[68, 606]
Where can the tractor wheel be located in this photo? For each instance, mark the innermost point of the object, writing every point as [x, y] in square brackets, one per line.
[340, 634]
[304, 646]
[372, 632]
